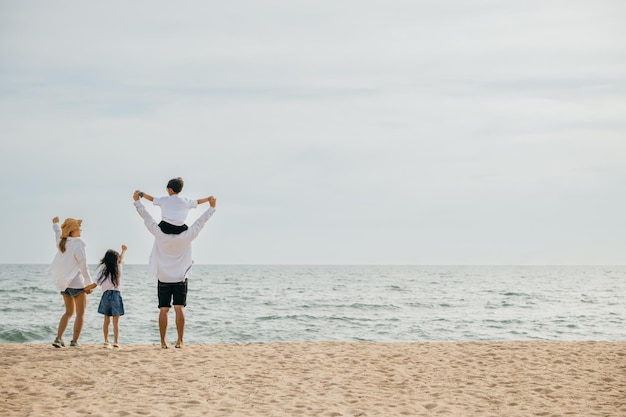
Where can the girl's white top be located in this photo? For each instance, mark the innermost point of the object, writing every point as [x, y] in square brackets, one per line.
[70, 267]
[107, 284]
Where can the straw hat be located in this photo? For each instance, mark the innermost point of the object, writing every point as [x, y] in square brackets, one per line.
[69, 225]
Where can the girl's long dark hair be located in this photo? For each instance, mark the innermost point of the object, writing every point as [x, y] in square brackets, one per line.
[109, 264]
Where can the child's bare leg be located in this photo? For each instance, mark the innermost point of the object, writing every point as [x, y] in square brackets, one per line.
[105, 328]
[116, 329]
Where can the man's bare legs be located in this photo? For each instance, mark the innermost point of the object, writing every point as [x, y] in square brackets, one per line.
[163, 311]
[180, 324]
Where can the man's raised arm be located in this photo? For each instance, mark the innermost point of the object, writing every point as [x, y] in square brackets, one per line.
[201, 221]
[148, 220]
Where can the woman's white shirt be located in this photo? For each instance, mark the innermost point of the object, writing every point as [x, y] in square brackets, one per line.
[70, 267]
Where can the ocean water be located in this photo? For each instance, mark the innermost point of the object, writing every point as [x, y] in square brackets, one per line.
[244, 304]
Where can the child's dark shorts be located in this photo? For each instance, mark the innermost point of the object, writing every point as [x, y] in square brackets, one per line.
[169, 292]
[170, 229]
[111, 303]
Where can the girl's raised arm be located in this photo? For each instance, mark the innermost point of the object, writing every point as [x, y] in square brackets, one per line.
[121, 260]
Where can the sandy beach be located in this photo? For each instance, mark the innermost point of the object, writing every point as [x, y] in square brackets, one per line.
[317, 379]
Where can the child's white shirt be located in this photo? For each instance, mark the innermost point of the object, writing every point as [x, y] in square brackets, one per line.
[174, 208]
[107, 284]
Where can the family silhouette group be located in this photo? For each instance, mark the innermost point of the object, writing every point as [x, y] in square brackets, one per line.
[170, 262]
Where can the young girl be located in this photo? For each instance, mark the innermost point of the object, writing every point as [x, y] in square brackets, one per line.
[111, 303]
[73, 278]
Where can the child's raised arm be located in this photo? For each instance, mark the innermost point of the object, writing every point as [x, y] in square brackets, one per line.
[146, 196]
[204, 200]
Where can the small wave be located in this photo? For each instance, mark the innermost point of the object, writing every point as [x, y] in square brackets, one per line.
[586, 299]
[418, 305]
[504, 322]
[358, 306]
[26, 336]
[287, 317]
[363, 306]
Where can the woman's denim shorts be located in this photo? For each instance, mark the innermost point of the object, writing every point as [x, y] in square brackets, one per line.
[73, 292]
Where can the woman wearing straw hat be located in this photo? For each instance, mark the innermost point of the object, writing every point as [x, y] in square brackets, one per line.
[73, 278]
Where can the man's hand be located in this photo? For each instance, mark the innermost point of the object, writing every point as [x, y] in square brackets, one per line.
[55, 220]
[212, 201]
[136, 195]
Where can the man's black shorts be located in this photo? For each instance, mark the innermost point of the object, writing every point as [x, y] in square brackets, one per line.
[176, 291]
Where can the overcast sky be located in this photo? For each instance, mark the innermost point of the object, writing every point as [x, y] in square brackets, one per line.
[330, 132]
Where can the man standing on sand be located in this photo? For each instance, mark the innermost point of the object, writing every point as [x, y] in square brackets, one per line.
[170, 262]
